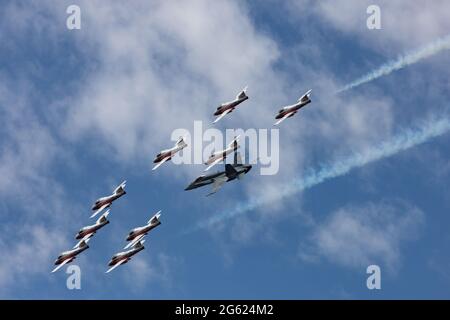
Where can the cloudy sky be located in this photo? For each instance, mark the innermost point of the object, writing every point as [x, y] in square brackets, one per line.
[363, 175]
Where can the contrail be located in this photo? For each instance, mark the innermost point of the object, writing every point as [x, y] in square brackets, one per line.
[403, 61]
[405, 140]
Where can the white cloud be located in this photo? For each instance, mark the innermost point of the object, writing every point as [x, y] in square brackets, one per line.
[35, 206]
[357, 236]
[27, 145]
[28, 254]
[405, 24]
[165, 67]
[154, 75]
[160, 269]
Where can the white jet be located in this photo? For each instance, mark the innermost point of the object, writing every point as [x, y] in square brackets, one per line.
[89, 231]
[70, 255]
[105, 202]
[137, 234]
[228, 107]
[125, 256]
[289, 111]
[166, 155]
[220, 156]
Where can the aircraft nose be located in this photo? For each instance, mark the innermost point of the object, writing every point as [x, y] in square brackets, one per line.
[248, 169]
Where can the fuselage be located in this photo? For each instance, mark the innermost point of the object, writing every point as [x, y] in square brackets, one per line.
[71, 254]
[90, 229]
[167, 153]
[124, 255]
[222, 154]
[229, 105]
[142, 230]
[292, 108]
[209, 179]
[107, 200]
[204, 180]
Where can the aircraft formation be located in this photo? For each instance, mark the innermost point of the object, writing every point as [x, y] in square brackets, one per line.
[237, 169]
[135, 238]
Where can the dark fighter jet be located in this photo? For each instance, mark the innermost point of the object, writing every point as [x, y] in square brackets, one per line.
[232, 171]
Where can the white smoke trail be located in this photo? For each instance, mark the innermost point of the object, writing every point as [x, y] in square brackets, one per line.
[403, 61]
[403, 141]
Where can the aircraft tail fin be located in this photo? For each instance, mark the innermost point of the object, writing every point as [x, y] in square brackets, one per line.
[155, 217]
[181, 142]
[230, 171]
[237, 158]
[83, 243]
[139, 244]
[306, 96]
[235, 143]
[120, 188]
[103, 217]
[243, 93]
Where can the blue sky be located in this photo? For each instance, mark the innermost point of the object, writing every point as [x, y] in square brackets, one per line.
[83, 110]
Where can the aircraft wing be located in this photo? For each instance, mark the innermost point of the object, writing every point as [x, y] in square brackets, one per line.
[282, 119]
[161, 162]
[217, 184]
[214, 163]
[100, 210]
[242, 94]
[85, 239]
[61, 265]
[116, 265]
[222, 115]
[134, 241]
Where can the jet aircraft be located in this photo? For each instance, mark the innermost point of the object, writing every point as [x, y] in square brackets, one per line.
[219, 156]
[70, 255]
[167, 154]
[137, 234]
[291, 110]
[92, 229]
[237, 170]
[125, 256]
[228, 107]
[105, 202]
